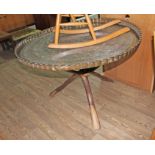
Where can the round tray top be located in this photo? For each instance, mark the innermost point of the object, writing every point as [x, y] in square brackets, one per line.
[34, 50]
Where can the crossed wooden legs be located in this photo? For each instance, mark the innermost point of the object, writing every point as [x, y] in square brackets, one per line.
[84, 77]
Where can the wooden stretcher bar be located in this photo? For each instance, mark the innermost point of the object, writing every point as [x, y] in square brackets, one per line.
[73, 24]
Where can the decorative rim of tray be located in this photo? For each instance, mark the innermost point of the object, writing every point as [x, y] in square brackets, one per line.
[96, 63]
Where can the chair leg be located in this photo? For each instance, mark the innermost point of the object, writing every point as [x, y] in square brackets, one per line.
[94, 116]
[66, 83]
[72, 17]
[91, 29]
[57, 29]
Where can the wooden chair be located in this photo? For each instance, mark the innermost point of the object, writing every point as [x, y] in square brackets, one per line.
[89, 28]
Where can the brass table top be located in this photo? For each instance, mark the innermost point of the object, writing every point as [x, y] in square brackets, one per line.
[35, 53]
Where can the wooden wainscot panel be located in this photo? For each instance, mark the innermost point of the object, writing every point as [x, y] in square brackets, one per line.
[10, 22]
[138, 70]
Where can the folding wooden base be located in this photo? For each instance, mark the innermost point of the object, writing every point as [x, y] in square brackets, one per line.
[83, 74]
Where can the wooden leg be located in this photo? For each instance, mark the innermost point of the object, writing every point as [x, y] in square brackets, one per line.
[57, 29]
[66, 83]
[94, 116]
[72, 18]
[101, 77]
[91, 29]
